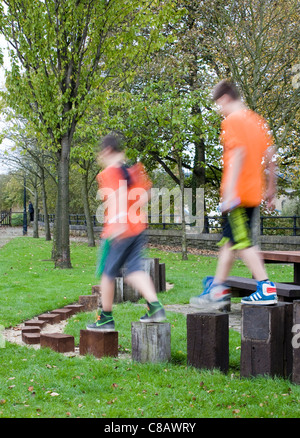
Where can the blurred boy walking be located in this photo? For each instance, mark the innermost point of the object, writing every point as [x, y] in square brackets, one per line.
[248, 151]
[123, 236]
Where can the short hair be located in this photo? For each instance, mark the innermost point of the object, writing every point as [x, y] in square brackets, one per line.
[111, 141]
[225, 87]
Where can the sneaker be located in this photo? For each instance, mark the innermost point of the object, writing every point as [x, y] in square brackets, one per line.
[154, 314]
[215, 296]
[203, 297]
[104, 323]
[265, 294]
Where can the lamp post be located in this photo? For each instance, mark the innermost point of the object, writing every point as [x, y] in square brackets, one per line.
[24, 211]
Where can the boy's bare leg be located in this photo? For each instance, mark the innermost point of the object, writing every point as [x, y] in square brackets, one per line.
[225, 262]
[141, 281]
[107, 292]
[254, 262]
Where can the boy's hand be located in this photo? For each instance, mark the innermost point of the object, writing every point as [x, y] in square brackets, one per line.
[270, 198]
[229, 204]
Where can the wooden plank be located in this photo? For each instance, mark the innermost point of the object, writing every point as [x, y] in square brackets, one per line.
[289, 290]
[281, 256]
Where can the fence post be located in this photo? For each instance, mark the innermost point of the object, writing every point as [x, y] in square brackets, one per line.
[261, 226]
[294, 225]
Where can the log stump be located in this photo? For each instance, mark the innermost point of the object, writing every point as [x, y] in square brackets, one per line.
[151, 342]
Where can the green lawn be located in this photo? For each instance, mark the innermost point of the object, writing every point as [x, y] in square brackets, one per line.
[42, 383]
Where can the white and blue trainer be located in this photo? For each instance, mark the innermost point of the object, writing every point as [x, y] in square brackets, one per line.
[265, 294]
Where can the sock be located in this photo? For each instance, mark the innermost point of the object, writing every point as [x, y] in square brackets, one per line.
[154, 305]
[106, 313]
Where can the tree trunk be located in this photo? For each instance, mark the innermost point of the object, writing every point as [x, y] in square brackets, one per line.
[36, 211]
[61, 241]
[87, 211]
[45, 207]
[183, 224]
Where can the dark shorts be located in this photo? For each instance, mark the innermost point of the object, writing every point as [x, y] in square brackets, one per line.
[237, 228]
[127, 253]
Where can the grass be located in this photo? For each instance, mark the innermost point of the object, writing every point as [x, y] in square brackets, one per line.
[42, 383]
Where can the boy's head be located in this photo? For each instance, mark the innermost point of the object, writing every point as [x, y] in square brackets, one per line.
[110, 150]
[226, 94]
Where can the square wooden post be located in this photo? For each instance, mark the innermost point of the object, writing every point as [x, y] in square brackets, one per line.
[263, 347]
[99, 343]
[208, 340]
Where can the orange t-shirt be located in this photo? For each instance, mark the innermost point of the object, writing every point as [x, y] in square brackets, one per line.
[122, 198]
[246, 129]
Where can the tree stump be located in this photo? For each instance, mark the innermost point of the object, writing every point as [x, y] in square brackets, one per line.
[208, 340]
[151, 342]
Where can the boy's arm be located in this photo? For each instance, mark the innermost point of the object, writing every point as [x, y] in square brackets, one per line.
[229, 194]
[270, 164]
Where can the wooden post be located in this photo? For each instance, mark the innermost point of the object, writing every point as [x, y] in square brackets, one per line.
[90, 302]
[151, 342]
[96, 290]
[263, 348]
[151, 266]
[208, 340]
[162, 277]
[98, 344]
[119, 290]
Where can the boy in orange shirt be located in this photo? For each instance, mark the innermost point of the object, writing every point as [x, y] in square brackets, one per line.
[247, 151]
[123, 232]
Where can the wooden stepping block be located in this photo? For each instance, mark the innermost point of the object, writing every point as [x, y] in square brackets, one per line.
[50, 318]
[58, 342]
[96, 290]
[64, 313]
[151, 342]
[35, 322]
[31, 329]
[90, 302]
[75, 308]
[208, 340]
[31, 338]
[98, 344]
[266, 340]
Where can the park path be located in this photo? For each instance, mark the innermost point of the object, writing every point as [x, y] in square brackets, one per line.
[9, 233]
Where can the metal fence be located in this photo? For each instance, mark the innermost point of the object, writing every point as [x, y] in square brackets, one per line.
[269, 225]
[5, 218]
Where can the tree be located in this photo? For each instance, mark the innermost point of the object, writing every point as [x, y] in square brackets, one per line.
[62, 53]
